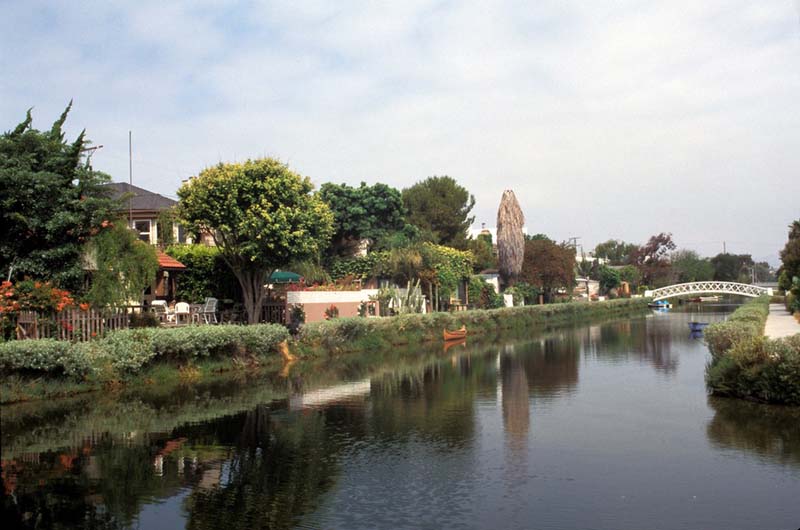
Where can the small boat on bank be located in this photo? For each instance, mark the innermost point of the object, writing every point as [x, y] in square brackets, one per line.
[659, 304]
[455, 335]
[697, 326]
[709, 298]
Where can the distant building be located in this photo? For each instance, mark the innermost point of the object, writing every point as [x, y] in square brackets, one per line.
[590, 259]
[475, 232]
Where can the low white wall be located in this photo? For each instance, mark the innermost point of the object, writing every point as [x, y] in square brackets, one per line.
[329, 297]
[508, 300]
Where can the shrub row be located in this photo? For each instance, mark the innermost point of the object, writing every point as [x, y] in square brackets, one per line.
[746, 364]
[351, 334]
[748, 321]
[127, 351]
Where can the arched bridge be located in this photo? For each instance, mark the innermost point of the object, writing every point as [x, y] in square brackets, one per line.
[710, 287]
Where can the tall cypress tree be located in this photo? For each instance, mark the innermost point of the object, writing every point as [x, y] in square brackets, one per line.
[51, 203]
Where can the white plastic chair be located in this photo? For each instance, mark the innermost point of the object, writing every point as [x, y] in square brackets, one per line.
[182, 312]
[161, 310]
[210, 311]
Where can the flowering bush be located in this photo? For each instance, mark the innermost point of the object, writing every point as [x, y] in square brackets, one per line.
[29, 295]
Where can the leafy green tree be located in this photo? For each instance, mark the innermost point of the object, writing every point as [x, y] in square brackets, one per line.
[262, 215]
[609, 278]
[528, 293]
[764, 272]
[587, 269]
[548, 266]
[440, 207]
[732, 267]
[482, 294]
[367, 212]
[790, 255]
[482, 250]
[630, 274]
[122, 266]
[51, 204]
[617, 252]
[538, 237]
[688, 266]
[206, 274]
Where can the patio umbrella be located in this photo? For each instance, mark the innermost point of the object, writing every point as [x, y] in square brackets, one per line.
[284, 277]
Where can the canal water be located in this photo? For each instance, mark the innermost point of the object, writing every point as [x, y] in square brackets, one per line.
[601, 426]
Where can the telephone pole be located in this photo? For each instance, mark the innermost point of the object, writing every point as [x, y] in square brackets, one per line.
[130, 179]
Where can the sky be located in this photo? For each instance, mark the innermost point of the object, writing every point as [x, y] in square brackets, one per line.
[609, 119]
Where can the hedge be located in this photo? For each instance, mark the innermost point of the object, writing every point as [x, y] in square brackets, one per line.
[358, 333]
[746, 364]
[127, 351]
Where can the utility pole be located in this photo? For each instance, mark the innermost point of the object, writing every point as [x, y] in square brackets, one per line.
[724, 248]
[130, 178]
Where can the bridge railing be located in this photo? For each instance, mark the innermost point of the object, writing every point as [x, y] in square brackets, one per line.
[708, 287]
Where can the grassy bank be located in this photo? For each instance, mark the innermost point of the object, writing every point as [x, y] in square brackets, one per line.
[747, 365]
[41, 369]
[36, 369]
[358, 334]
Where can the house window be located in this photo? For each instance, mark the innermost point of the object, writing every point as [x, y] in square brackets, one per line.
[178, 233]
[144, 229]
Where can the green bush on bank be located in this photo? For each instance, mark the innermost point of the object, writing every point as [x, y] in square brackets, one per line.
[127, 351]
[351, 334]
[45, 355]
[748, 365]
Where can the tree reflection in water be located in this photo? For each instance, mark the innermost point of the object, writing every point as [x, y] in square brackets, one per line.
[276, 471]
[245, 459]
[650, 339]
[515, 401]
[769, 431]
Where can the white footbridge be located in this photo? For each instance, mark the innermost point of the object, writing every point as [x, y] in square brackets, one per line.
[710, 287]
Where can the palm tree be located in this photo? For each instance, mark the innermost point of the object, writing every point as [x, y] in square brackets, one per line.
[510, 240]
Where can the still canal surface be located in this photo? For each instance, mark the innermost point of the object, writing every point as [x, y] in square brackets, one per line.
[603, 426]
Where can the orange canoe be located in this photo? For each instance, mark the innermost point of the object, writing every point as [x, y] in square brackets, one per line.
[455, 335]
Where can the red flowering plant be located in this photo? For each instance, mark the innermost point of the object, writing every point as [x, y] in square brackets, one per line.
[8, 299]
[30, 295]
[43, 297]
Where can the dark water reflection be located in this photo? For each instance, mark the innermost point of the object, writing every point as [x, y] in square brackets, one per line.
[600, 426]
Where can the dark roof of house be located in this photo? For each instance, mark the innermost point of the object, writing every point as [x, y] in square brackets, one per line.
[141, 199]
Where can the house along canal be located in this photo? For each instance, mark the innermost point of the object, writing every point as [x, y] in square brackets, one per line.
[602, 426]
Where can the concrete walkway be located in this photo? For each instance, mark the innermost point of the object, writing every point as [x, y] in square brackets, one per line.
[780, 323]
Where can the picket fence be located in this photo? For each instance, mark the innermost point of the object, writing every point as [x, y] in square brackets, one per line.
[75, 325]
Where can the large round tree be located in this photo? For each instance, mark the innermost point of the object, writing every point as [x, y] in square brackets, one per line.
[510, 239]
[262, 216]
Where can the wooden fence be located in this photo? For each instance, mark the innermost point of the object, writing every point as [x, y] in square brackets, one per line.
[70, 324]
[273, 312]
